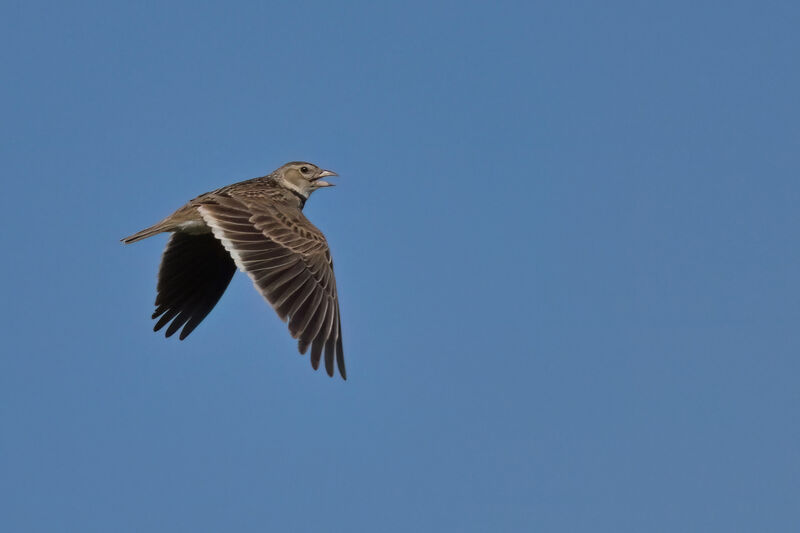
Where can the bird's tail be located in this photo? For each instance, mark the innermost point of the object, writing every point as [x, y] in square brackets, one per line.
[145, 233]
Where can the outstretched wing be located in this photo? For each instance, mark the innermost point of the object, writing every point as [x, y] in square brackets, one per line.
[290, 264]
[195, 270]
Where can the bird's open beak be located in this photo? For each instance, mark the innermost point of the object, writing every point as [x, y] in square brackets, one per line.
[324, 174]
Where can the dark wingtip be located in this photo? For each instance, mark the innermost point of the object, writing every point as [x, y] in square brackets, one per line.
[340, 357]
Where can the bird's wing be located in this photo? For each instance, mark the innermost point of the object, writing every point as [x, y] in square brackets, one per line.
[195, 270]
[290, 264]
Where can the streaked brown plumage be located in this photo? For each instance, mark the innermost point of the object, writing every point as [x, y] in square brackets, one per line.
[257, 225]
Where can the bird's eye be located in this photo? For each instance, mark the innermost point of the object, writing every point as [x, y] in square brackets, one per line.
[304, 170]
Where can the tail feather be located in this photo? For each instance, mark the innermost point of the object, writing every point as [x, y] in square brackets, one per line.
[145, 233]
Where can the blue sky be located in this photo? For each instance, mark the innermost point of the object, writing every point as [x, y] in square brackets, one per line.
[566, 244]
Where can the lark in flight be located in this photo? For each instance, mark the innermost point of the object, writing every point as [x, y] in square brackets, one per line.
[257, 225]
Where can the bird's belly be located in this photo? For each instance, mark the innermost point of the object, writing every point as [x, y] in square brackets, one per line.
[194, 227]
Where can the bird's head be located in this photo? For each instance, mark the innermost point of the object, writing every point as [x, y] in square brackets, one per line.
[303, 178]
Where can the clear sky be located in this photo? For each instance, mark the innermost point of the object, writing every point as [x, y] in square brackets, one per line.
[566, 244]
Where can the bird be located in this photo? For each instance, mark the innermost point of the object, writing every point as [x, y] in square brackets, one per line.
[256, 225]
